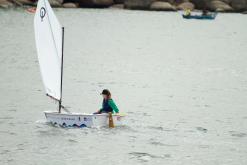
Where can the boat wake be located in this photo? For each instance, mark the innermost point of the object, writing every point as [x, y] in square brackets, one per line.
[145, 157]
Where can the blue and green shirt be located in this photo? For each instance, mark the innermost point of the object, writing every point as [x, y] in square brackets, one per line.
[109, 105]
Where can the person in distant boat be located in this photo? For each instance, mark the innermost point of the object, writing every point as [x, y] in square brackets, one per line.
[108, 104]
[204, 12]
[187, 12]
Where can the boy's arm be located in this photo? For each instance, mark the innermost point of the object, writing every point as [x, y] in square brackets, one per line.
[113, 106]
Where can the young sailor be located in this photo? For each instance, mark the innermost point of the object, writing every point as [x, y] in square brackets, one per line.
[187, 12]
[108, 104]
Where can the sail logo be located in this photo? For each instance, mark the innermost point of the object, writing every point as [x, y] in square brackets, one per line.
[42, 13]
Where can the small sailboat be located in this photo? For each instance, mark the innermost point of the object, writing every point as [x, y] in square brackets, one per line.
[49, 37]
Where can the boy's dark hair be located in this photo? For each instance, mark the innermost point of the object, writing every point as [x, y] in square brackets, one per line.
[106, 92]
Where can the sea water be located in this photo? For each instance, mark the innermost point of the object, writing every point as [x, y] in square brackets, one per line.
[181, 83]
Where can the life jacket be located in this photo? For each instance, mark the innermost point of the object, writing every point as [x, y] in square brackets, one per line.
[106, 107]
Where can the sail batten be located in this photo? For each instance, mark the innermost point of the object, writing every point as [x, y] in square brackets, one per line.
[48, 37]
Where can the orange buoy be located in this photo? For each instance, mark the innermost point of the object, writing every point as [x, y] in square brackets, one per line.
[31, 10]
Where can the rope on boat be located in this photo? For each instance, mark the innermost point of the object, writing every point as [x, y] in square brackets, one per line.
[65, 109]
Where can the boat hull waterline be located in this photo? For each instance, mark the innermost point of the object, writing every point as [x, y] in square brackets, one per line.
[82, 119]
[205, 17]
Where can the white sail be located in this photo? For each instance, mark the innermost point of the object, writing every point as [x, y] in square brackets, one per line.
[48, 36]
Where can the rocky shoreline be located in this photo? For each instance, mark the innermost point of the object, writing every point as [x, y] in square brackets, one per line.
[156, 5]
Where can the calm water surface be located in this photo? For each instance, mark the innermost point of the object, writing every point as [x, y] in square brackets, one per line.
[182, 83]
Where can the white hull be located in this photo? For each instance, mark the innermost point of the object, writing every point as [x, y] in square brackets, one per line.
[82, 120]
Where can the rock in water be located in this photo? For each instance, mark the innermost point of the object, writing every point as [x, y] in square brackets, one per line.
[137, 4]
[103, 3]
[239, 5]
[169, 1]
[226, 1]
[162, 6]
[5, 4]
[117, 6]
[55, 3]
[186, 5]
[220, 6]
[95, 3]
[118, 1]
[70, 5]
[60, 1]
[24, 2]
[199, 4]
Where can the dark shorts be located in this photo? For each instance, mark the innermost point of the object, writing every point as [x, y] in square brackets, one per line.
[102, 111]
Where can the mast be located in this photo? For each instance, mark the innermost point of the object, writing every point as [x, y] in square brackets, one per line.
[61, 86]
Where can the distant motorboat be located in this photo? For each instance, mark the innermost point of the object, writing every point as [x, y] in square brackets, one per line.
[206, 17]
